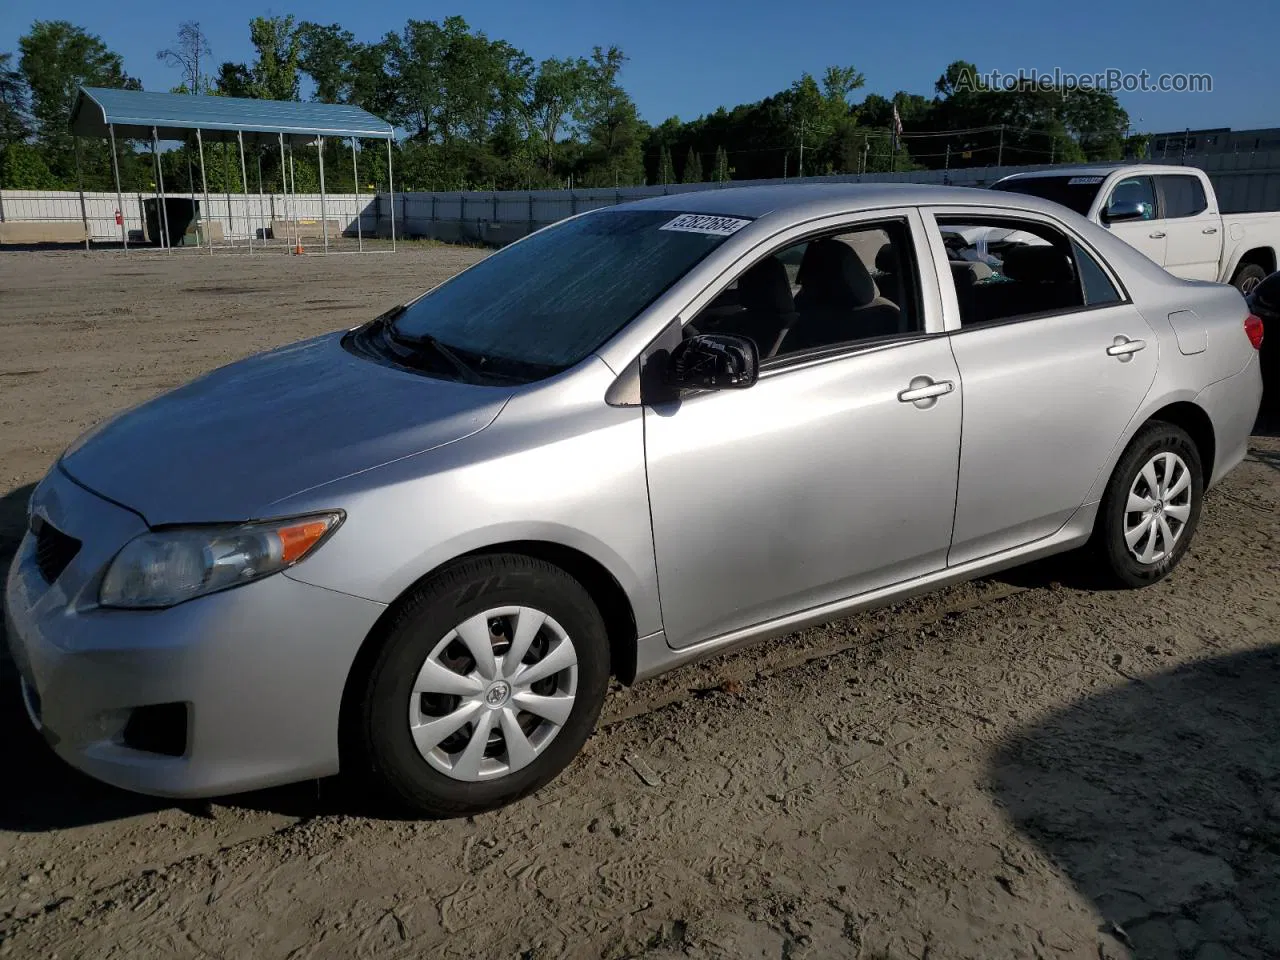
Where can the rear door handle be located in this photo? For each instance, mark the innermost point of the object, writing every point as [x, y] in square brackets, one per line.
[1158, 235]
[1209, 230]
[925, 388]
[1124, 348]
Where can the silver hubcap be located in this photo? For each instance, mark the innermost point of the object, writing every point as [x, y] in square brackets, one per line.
[1158, 508]
[493, 693]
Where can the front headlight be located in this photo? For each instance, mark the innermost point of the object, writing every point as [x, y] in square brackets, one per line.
[166, 567]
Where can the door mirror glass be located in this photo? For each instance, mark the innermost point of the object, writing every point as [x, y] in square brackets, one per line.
[714, 361]
[1120, 211]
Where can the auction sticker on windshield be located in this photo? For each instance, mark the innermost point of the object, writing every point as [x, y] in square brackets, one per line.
[1084, 181]
[705, 223]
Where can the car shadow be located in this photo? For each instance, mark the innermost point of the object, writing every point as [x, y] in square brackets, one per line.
[1160, 800]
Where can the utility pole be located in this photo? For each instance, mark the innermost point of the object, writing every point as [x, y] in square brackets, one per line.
[801, 173]
[1000, 151]
[785, 155]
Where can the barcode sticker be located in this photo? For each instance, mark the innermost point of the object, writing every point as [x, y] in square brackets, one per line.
[705, 223]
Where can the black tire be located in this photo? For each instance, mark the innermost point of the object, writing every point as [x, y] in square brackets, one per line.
[1120, 566]
[1247, 277]
[463, 590]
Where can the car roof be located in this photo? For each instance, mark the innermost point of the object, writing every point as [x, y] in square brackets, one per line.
[1102, 170]
[811, 200]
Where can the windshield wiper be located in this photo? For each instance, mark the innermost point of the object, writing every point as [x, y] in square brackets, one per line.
[418, 341]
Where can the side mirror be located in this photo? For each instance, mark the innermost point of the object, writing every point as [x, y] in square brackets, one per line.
[1123, 210]
[714, 361]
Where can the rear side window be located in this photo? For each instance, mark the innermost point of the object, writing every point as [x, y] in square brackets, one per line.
[1098, 288]
[1183, 195]
[1007, 269]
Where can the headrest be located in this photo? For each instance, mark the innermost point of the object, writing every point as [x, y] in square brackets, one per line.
[766, 287]
[887, 259]
[835, 274]
[969, 271]
[1037, 264]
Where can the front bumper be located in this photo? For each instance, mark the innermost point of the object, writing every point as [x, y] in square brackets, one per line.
[260, 668]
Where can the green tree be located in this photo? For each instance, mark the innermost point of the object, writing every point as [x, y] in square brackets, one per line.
[692, 167]
[189, 54]
[608, 116]
[57, 58]
[554, 95]
[326, 57]
[234, 80]
[666, 171]
[23, 168]
[279, 47]
[13, 103]
[722, 165]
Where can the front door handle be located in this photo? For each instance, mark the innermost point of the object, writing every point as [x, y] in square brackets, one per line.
[1124, 348]
[1158, 235]
[925, 389]
[1209, 230]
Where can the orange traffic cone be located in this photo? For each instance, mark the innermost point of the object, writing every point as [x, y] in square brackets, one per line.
[297, 250]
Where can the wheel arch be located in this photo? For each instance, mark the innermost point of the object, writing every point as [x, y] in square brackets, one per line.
[1193, 419]
[611, 599]
[1264, 257]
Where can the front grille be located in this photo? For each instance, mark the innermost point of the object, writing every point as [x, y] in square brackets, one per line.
[54, 549]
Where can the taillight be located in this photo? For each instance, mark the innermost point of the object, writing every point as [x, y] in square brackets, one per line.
[1253, 330]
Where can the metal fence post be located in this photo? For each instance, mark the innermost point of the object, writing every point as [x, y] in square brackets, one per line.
[244, 181]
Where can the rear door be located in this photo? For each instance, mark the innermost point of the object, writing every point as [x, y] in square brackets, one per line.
[1054, 361]
[1193, 246]
[1148, 234]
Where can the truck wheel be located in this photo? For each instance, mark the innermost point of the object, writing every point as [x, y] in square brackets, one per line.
[1247, 277]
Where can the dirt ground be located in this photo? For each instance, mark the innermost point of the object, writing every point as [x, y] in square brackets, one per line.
[1018, 767]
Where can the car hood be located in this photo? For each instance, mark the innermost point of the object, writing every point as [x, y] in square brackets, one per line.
[227, 446]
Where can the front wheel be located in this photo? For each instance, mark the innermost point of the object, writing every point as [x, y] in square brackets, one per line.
[1151, 506]
[489, 681]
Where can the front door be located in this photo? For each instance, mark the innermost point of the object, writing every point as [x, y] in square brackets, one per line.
[1147, 234]
[828, 477]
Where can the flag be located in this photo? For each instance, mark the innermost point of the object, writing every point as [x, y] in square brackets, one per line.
[897, 121]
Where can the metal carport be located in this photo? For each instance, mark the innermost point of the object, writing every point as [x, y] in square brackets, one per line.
[141, 115]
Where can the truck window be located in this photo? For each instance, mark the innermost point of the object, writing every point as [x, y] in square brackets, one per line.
[1075, 193]
[1183, 195]
[1135, 189]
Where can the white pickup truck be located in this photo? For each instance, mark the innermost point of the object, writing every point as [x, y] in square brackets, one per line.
[1169, 213]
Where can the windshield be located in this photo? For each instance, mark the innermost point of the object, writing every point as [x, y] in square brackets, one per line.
[545, 303]
[1074, 192]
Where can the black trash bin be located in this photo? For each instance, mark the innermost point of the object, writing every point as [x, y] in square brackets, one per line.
[182, 215]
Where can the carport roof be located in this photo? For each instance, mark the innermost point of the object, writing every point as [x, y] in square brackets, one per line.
[135, 112]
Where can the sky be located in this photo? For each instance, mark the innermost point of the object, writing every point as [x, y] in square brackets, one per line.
[688, 58]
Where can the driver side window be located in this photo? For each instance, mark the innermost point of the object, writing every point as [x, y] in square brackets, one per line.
[826, 291]
[1131, 190]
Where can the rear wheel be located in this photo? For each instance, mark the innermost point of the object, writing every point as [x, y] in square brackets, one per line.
[488, 683]
[1151, 507]
[1248, 277]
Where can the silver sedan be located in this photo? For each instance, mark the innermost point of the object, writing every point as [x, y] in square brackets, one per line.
[417, 550]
